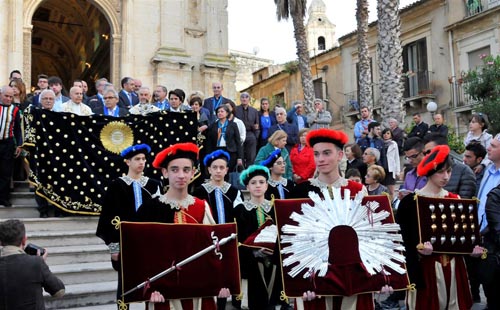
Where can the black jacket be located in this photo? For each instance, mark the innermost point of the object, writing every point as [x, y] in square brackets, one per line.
[492, 236]
[462, 181]
[22, 279]
[232, 137]
[419, 130]
[100, 110]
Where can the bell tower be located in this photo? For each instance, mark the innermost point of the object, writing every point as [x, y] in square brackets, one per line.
[320, 31]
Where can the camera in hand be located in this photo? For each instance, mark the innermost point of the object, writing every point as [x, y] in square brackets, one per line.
[32, 249]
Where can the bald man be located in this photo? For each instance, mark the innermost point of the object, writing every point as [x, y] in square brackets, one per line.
[10, 141]
[75, 104]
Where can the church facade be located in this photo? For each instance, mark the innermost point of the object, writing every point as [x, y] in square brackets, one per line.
[179, 44]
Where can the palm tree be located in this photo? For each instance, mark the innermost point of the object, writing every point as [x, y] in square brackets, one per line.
[390, 60]
[297, 10]
[364, 67]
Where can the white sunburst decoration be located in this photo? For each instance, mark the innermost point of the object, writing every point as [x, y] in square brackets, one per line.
[380, 245]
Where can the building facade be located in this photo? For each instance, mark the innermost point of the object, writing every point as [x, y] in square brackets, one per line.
[180, 44]
[441, 41]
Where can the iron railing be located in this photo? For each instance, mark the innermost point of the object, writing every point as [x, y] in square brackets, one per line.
[473, 7]
[459, 96]
[418, 83]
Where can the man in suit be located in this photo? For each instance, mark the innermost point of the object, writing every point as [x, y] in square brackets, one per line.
[55, 83]
[420, 129]
[160, 97]
[250, 117]
[212, 103]
[110, 107]
[43, 83]
[128, 97]
[98, 99]
[23, 276]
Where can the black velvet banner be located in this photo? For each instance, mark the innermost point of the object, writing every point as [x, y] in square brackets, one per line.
[74, 158]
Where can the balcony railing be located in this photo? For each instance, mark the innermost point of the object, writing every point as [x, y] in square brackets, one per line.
[473, 7]
[459, 98]
[352, 103]
[418, 84]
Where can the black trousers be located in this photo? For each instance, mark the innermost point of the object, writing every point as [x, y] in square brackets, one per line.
[7, 149]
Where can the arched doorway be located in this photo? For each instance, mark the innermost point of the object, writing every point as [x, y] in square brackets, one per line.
[72, 40]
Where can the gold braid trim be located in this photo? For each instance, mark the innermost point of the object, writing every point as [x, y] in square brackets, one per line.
[411, 287]
[122, 305]
[485, 254]
[116, 222]
[283, 297]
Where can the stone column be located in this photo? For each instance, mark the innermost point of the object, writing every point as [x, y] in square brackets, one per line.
[4, 66]
[14, 20]
[217, 33]
[115, 48]
[172, 25]
[127, 47]
[27, 31]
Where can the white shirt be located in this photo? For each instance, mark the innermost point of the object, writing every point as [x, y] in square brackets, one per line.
[77, 108]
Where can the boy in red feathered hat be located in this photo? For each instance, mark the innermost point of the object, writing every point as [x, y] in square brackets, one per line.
[440, 279]
[327, 145]
[177, 163]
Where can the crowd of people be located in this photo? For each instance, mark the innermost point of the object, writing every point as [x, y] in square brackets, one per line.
[282, 155]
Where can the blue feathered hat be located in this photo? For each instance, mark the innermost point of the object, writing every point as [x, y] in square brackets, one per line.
[271, 159]
[219, 154]
[133, 150]
[252, 171]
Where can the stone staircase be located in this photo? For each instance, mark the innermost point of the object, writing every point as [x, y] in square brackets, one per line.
[75, 254]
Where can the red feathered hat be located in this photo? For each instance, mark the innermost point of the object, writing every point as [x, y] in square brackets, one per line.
[434, 161]
[179, 150]
[336, 137]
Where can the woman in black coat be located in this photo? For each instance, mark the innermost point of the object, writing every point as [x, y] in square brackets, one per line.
[353, 154]
[224, 135]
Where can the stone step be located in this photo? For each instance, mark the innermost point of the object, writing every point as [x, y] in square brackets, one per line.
[21, 186]
[61, 238]
[69, 223]
[19, 211]
[23, 198]
[74, 254]
[85, 272]
[86, 294]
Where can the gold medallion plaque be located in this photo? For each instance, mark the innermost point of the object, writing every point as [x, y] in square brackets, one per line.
[116, 136]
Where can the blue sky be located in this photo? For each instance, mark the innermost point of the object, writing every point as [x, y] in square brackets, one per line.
[253, 26]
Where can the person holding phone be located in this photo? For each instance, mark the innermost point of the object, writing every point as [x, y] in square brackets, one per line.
[23, 276]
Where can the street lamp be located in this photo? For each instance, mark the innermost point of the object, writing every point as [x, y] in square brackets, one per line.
[432, 107]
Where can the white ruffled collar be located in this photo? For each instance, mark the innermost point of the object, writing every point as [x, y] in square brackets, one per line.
[128, 180]
[340, 182]
[209, 187]
[275, 183]
[178, 204]
[266, 205]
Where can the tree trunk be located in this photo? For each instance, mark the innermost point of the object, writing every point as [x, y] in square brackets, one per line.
[390, 60]
[364, 67]
[303, 57]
